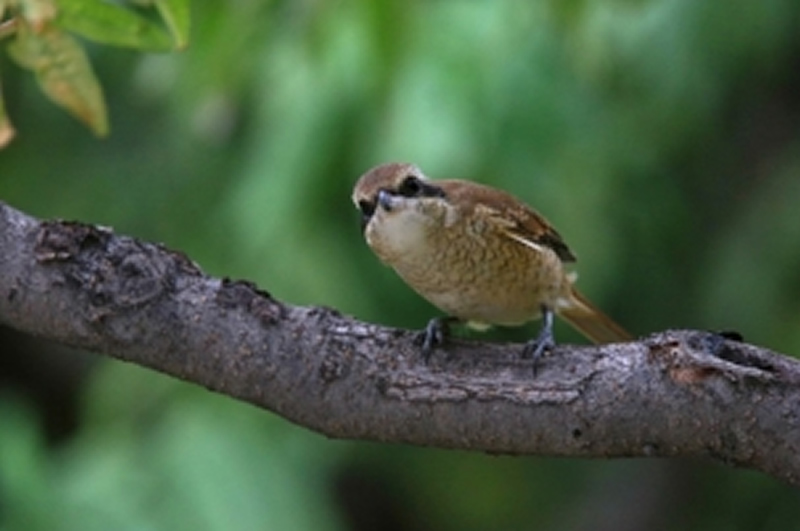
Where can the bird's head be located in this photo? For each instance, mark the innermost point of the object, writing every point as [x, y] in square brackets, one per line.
[398, 205]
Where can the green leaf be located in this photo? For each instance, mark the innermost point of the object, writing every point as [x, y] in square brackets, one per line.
[6, 129]
[63, 71]
[7, 27]
[37, 13]
[177, 17]
[111, 24]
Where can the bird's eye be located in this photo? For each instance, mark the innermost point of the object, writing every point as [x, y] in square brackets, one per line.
[410, 187]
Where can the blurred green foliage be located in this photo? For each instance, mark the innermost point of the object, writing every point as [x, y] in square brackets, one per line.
[660, 137]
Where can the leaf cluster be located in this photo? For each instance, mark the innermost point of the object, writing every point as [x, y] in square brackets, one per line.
[41, 36]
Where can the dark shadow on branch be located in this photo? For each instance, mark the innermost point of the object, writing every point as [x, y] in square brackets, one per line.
[677, 393]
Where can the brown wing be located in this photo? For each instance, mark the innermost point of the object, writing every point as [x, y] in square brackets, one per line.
[532, 226]
[521, 222]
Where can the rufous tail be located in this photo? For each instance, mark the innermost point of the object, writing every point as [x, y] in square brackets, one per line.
[591, 322]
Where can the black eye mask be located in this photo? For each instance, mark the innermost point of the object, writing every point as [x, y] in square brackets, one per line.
[367, 209]
[414, 187]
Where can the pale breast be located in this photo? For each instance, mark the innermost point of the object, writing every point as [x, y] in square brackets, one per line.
[478, 277]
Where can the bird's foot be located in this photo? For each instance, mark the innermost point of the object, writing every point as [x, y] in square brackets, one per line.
[535, 348]
[435, 335]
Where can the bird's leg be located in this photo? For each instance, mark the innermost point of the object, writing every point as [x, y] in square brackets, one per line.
[435, 334]
[544, 341]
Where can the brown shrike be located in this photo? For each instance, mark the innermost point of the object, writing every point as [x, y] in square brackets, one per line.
[477, 253]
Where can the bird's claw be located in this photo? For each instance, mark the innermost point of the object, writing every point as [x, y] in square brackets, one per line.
[435, 334]
[535, 348]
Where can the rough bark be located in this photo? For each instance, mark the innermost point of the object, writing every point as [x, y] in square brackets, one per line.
[676, 393]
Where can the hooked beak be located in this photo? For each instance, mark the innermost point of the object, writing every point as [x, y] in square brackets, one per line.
[385, 200]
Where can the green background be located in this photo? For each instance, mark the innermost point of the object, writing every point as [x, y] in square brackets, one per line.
[661, 138]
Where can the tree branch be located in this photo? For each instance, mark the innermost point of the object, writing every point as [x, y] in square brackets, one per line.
[677, 393]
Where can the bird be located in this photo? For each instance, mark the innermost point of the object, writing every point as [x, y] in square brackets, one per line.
[477, 253]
